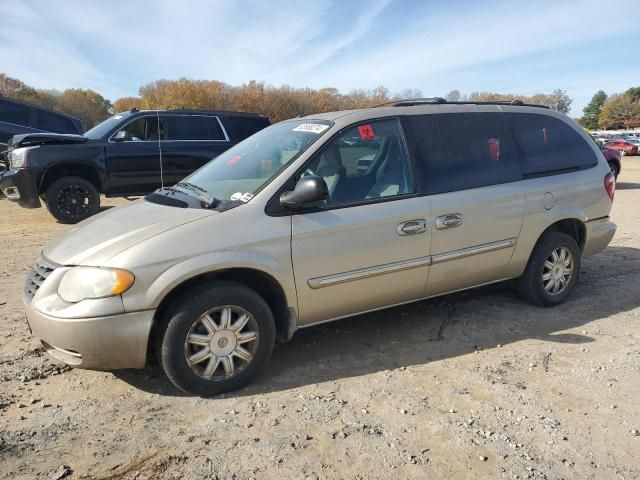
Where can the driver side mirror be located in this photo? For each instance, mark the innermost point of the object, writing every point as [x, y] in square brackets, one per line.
[308, 190]
[122, 136]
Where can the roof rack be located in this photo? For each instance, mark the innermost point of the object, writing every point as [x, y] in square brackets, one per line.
[439, 101]
[408, 102]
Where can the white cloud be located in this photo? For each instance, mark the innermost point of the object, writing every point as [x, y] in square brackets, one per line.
[114, 47]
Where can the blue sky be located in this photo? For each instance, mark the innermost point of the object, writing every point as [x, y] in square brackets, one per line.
[114, 47]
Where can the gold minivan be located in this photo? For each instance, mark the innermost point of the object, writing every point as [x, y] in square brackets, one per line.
[320, 218]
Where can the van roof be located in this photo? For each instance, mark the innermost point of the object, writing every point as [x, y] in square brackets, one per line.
[426, 105]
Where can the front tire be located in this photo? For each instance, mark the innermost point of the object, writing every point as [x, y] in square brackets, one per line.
[72, 199]
[552, 271]
[614, 169]
[216, 339]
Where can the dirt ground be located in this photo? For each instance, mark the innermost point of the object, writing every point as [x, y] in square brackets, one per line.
[510, 391]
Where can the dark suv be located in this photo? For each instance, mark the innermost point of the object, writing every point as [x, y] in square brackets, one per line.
[19, 117]
[129, 154]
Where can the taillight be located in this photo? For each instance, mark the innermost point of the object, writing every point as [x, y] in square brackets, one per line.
[610, 184]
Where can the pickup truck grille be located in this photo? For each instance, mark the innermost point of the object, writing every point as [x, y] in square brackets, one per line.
[39, 273]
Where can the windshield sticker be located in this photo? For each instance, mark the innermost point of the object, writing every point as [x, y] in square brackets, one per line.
[366, 132]
[236, 196]
[246, 197]
[234, 160]
[311, 127]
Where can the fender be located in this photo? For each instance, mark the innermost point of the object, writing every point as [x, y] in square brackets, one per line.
[151, 295]
[534, 229]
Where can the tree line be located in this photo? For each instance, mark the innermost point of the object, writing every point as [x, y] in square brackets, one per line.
[277, 102]
[618, 111]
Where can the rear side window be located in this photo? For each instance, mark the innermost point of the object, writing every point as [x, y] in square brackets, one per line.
[459, 151]
[549, 145]
[54, 123]
[244, 127]
[12, 113]
[194, 127]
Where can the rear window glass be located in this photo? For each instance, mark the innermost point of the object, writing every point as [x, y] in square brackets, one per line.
[192, 127]
[459, 151]
[549, 145]
[54, 123]
[12, 113]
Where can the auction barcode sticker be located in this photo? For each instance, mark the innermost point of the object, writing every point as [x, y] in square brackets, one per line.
[311, 127]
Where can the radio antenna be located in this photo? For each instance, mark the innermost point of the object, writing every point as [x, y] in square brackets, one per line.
[159, 143]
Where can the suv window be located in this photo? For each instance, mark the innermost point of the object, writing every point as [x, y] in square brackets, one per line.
[246, 126]
[145, 129]
[12, 113]
[459, 151]
[549, 144]
[365, 162]
[54, 123]
[194, 127]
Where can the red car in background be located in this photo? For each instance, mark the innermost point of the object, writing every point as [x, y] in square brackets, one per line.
[613, 159]
[622, 146]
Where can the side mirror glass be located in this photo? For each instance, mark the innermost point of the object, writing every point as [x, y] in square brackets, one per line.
[308, 190]
[122, 136]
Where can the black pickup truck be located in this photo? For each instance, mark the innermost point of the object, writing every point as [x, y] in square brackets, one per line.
[129, 154]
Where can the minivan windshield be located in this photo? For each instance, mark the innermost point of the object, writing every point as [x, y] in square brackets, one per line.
[242, 171]
[99, 131]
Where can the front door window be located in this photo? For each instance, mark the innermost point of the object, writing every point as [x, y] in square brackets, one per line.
[364, 163]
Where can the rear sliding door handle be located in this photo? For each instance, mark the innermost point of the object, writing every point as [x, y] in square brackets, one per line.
[450, 220]
[412, 227]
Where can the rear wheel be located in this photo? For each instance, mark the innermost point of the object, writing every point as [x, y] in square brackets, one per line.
[614, 169]
[552, 271]
[216, 339]
[72, 199]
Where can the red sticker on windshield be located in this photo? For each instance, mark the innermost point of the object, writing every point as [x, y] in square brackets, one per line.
[235, 159]
[366, 132]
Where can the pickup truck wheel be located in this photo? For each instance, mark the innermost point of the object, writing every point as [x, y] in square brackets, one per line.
[552, 271]
[217, 338]
[72, 199]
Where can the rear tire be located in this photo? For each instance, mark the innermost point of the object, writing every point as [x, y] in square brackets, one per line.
[552, 271]
[72, 199]
[216, 338]
[614, 169]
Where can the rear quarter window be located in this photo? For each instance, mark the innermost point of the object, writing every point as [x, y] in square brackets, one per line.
[549, 145]
[459, 151]
[194, 127]
[243, 127]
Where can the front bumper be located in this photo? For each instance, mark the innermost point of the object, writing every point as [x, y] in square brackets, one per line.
[599, 233]
[100, 343]
[21, 186]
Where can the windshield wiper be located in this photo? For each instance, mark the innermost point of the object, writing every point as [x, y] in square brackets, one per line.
[200, 192]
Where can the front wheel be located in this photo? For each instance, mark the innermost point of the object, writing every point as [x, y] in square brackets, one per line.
[552, 271]
[72, 199]
[216, 339]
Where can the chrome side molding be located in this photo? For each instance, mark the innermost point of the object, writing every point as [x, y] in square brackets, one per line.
[328, 280]
[467, 252]
[361, 273]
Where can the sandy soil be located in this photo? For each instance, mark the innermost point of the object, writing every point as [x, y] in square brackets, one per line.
[511, 391]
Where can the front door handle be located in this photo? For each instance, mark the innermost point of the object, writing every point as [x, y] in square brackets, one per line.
[412, 227]
[450, 220]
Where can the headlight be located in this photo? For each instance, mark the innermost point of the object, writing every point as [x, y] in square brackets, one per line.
[18, 157]
[80, 283]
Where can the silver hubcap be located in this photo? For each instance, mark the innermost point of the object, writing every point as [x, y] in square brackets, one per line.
[557, 271]
[221, 343]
